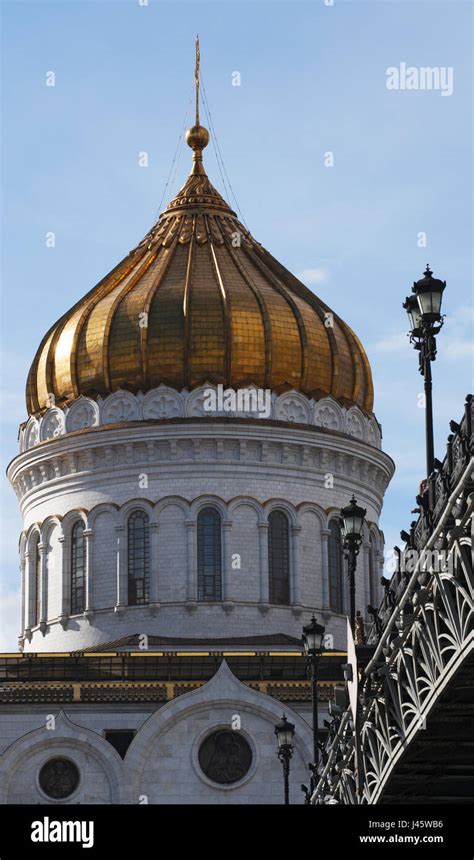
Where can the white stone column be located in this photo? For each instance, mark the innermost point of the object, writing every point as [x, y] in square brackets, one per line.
[295, 586]
[65, 579]
[154, 569]
[89, 565]
[23, 594]
[122, 578]
[43, 560]
[226, 569]
[29, 591]
[325, 567]
[263, 558]
[191, 573]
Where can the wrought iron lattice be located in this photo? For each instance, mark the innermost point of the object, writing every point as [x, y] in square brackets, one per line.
[422, 639]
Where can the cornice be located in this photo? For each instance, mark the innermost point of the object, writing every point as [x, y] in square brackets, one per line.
[296, 450]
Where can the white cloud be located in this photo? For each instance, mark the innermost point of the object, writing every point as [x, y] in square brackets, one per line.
[458, 349]
[319, 275]
[393, 343]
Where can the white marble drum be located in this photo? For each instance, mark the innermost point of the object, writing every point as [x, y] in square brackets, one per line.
[191, 526]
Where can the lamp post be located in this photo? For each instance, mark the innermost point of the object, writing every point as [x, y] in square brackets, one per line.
[312, 639]
[352, 518]
[284, 731]
[424, 313]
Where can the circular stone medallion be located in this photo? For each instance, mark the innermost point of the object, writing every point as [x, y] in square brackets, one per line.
[59, 778]
[225, 756]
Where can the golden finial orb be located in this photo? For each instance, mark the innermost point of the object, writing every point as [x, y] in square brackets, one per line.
[197, 137]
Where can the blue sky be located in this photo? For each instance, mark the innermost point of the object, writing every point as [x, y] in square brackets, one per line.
[313, 80]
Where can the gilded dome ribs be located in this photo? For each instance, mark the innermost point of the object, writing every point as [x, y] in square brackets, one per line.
[89, 303]
[127, 326]
[33, 382]
[237, 258]
[330, 353]
[365, 392]
[168, 255]
[105, 351]
[294, 308]
[355, 364]
[218, 306]
[226, 310]
[66, 388]
[187, 311]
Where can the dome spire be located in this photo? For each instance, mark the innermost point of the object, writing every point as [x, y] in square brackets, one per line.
[196, 76]
[197, 137]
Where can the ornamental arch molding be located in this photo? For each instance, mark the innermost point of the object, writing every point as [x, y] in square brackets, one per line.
[67, 739]
[32, 536]
[103, 508]
[71, 518]
[249, 502]
[208, 501]
[224, 692]
[82, 414]
[48, 525]
[311, 507]
[163, 402]
[282, 505]
[170, 502]
[120, 406]
[136, 504]
[329, 414]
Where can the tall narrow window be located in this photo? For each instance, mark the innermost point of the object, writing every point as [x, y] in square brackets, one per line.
[209, 555]
[335, 567]
[279, 558]
[36, 584]
[78, 569]
[138, 558]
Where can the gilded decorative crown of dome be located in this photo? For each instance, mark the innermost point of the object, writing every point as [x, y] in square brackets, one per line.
[199, 300]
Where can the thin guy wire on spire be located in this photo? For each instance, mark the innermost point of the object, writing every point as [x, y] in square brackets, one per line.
[219, 153]
[177, 154]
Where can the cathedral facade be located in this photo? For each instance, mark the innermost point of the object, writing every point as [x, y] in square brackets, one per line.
[196, 422]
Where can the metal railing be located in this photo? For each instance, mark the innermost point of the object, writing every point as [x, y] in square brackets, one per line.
[422, 632]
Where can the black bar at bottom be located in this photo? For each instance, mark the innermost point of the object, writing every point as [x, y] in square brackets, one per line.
[369, 831]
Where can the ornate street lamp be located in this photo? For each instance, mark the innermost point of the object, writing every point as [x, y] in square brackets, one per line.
[312, 639]
[424, 313]
[284, 732]
[352, 518]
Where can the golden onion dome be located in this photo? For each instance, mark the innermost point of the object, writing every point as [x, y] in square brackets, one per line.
[199, 301]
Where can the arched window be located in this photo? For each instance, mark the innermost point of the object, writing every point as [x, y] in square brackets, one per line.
[78, 569]
[138, 558]
[36, 579]
[209, 555]
[335, 567]
[279, 558]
